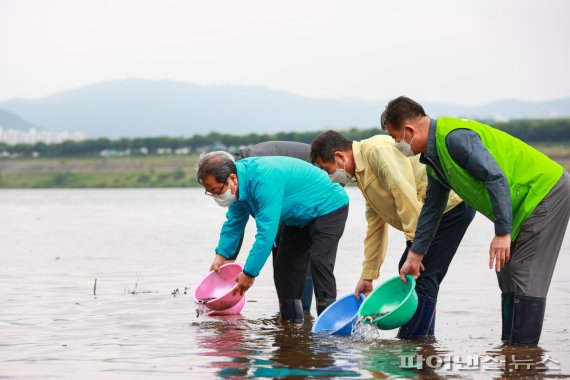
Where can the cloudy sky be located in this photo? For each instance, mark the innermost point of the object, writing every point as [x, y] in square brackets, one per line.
[465, 52]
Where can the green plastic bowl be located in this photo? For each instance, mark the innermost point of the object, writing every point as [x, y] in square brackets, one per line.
[390, 305]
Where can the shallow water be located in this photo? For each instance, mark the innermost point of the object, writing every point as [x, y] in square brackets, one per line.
[148, 248]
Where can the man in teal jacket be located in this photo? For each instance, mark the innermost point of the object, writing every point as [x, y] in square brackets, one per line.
[277, 190]
[524, 193]
[288, 149]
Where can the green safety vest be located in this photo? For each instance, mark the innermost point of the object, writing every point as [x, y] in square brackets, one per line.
[530, 174]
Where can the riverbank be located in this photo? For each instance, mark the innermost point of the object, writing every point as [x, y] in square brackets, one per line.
[99, 172]
[155, 171]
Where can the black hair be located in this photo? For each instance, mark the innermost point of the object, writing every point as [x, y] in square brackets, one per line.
[400, 110]
[325, 144]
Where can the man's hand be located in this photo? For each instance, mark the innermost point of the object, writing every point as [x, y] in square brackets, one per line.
[219, 260]
[244, 282]
[412, 266]
[500, 251]
[363, 286]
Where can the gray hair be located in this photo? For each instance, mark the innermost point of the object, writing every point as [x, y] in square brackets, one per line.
[383, 121]
[219, 164]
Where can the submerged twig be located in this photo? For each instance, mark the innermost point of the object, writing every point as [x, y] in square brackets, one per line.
[136, 283]
[95, 288]
[135, 291]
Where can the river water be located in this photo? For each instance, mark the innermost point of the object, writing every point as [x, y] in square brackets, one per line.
[147, 249]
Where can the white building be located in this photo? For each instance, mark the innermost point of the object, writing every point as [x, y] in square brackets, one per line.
[33, 136]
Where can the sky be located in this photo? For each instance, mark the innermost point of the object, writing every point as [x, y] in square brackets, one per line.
[457, 51]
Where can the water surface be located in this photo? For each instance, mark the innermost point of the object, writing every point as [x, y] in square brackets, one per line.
[143, 245]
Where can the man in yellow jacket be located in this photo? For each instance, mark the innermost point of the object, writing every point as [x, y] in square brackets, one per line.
[394, 187]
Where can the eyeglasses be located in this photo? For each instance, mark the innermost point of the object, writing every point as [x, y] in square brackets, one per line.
[218, 193]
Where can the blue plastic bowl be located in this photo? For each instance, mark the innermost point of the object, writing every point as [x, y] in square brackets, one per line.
[339, 317]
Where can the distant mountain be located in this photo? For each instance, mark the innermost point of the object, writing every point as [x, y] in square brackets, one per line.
[134, 107]
[9, 120]
[505, 110]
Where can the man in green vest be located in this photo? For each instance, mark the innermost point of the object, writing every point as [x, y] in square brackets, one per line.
[524, 193]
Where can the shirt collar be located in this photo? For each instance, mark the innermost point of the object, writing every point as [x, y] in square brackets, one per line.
[242, 180]
[357, 155]
[431, 152]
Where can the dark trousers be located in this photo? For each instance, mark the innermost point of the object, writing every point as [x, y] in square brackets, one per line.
[307, 297]
[535, 251]
[318, 240]
[275, 248]
[449, 234]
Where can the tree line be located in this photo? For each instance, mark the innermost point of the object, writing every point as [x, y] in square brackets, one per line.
[531, 131]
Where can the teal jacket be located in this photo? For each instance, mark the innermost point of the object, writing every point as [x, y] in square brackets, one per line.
[274, 190]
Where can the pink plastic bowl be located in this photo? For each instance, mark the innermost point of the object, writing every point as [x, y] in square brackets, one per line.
[236, 309]
[218, 286]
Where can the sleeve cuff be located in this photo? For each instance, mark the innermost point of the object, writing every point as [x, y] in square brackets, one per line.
[419, 248]
[502, 230]
[369, 275]
[227, 256]
[248, 274]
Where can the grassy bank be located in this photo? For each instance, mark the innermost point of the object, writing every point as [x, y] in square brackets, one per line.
[119, 172]
[133, 172]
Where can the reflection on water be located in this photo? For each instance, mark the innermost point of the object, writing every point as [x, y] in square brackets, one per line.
[238, 347]
[54, 244]
[267, 348]
[224, 342]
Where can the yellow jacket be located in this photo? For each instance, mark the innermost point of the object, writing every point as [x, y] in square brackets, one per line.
[394, 187]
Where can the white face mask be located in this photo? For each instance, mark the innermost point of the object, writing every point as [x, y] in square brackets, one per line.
[226, 198]
[340, 176]
[404, 147]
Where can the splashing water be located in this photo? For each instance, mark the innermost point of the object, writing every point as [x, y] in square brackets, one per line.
[202, 310]
[364, 329]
